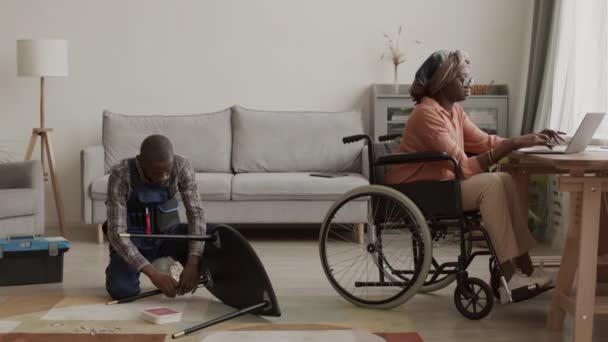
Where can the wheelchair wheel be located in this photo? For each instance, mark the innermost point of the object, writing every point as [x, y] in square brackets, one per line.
[396, 240]
[473, 298]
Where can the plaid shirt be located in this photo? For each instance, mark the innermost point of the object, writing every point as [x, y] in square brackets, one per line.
[119, 189]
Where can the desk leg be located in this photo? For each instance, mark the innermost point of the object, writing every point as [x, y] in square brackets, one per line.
[585, 286]
[565, 275]
[523, 187]
[522, 182]
[602, 249]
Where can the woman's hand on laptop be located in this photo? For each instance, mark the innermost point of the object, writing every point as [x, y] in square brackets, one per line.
[554, 136]
[533, 139]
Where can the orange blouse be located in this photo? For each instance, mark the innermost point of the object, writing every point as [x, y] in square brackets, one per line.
[430, 128]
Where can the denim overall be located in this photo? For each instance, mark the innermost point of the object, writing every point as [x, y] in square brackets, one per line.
[121, 279]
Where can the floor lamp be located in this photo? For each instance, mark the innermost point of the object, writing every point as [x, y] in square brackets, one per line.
[44, 58]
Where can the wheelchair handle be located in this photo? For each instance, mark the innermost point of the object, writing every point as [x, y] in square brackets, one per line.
[389, 137]
[354, 138]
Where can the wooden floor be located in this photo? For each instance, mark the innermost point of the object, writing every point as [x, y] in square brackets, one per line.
[292, 260]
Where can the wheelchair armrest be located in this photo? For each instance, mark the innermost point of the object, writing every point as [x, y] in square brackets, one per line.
[419, 157]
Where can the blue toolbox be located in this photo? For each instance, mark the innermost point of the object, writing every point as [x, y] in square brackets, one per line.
[32, 260]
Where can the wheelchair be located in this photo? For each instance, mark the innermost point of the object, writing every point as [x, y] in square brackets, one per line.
[385, 261]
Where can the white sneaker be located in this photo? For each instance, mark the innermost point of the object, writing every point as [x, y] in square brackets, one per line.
[543, 278]
[519, 280]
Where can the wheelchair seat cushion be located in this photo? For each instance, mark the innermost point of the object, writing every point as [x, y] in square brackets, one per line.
[436, 199]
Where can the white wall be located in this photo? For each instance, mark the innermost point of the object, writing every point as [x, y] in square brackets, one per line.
[193, 56]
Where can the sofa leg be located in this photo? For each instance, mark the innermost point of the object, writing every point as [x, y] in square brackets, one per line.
[361, 233]
[100, 234]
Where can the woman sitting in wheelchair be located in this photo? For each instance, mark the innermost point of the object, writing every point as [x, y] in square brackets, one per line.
[439, 124]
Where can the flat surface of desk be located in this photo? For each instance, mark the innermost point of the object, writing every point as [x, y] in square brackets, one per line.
[589, 160]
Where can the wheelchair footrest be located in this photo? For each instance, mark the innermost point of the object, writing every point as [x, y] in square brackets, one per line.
[528, 292]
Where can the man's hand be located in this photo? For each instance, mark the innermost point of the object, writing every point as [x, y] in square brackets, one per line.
[162, 281]
[188, 280]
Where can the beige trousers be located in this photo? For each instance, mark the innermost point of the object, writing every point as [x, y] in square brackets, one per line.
[495, 196]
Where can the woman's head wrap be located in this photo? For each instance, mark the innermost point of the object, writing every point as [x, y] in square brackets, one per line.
[441, 68]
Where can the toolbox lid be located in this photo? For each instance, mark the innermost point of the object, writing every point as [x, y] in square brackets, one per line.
[33, 243]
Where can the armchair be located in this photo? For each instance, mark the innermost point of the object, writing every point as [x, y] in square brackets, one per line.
[21, 198]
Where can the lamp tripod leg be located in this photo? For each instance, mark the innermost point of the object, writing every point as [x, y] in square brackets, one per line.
[55, 181]
[42, 157]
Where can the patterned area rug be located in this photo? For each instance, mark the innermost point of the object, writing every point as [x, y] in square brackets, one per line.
[223, 336]
[305, 332]
[25, 337]
[308, 335]
[75, 319]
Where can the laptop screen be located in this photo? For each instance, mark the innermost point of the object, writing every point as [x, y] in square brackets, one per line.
[584, 133]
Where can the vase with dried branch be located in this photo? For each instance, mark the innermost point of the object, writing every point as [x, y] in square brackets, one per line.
[395, 55]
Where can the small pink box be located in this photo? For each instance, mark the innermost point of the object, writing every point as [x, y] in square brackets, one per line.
[161, 315]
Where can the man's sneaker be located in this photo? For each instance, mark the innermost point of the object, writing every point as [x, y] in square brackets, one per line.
[520, 280]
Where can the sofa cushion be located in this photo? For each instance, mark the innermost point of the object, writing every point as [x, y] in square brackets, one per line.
[265, 141]
[17, 202]
[205, 139]
[211, 186]
[292, 186]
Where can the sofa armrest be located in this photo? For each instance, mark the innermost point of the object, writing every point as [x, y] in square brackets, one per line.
[21, 175]
[91, 168]
[26, 175]
[365, 162]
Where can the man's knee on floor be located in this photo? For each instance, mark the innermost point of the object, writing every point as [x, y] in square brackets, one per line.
[120, 289]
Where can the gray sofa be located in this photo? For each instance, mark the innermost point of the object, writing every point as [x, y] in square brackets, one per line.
[251, 166]
[21, 199]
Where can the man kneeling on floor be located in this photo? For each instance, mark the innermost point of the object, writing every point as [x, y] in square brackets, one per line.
[141, 199]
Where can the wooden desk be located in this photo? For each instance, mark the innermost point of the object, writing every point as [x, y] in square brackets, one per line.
[583, 176]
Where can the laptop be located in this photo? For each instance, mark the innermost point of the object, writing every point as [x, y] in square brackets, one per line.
[582, 137]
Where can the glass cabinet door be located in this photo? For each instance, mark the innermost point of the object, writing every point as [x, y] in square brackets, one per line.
[484, 118]
[397, 118]
[488, 113]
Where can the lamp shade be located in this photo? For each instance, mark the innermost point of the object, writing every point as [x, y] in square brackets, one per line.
[42, 57]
